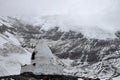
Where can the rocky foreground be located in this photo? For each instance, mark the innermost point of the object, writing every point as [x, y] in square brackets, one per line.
[30, 76]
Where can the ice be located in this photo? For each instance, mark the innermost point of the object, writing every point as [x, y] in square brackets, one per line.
[12, 56]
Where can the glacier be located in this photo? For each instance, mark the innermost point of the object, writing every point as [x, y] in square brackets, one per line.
[12, 55]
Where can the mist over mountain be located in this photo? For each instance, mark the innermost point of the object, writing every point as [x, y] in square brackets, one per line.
[96, 18]
[66, 23]
[78, 38]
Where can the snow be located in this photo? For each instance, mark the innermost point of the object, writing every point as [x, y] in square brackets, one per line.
[44, 55]
[2, 41]
[9, 68]
[80, 79]
[116, 78]
[45, 61]
[67, 61]
[96, 31]
[23, 59]
[12, 38]
[11, 64]
[96, 70]
[4, 20]
[0, 24]
[12, 55]
[70, 71]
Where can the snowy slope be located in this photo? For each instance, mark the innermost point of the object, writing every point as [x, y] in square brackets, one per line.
[5, 21]
[117, 78]
[12, 55]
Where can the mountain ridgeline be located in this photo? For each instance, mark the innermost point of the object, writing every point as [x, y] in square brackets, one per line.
[99, 55]
[73, 45]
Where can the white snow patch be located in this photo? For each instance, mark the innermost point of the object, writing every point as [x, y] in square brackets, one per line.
[80, 79]
[12, 56]
[12, 38]
[2, 41]
[11, 64]
[0, 24]
[116, 78]
[5, 22]
[67, 61]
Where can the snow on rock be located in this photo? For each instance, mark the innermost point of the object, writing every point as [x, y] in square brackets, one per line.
[66, 62]
[103, 70]
[80, 79]
[0, 24]
[8, 37]
[5, 21]
[12, 56]
[12, 38]
[43, 61]
[2, 41]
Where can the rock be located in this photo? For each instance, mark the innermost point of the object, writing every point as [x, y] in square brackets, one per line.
[43, 61]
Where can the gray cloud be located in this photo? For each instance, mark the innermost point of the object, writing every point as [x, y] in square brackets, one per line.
[31, 7]
[103, 14]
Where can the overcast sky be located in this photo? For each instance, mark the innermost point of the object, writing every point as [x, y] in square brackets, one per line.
[43, 7]
[32, 7]
[105, 13]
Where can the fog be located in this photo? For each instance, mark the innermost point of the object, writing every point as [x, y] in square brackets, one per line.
[90, 14]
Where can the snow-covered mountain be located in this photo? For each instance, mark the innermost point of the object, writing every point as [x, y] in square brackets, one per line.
[79, 54]
[12, 55]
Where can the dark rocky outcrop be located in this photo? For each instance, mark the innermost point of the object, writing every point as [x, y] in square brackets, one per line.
[31, 76]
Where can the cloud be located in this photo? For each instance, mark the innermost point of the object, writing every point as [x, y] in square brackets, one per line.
[31, 7]
[103, 14]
